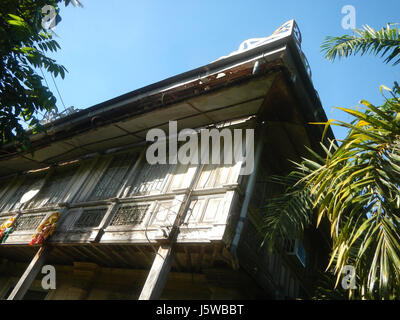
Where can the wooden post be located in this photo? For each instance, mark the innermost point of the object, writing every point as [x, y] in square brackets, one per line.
[159, 270]
[98, 232]
[158, 274]
[30, 274]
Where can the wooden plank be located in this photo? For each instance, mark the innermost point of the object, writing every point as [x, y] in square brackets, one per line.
[30, 274]
[90, 255]
[58, 254]
[161, 266]
[120, 258]
[200, 259]
[106, 258]
[188, 258]
[78, 254]
[129, 256]
[158, 274]
[144, 255]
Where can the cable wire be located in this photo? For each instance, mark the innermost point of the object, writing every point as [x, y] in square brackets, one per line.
[62, 101]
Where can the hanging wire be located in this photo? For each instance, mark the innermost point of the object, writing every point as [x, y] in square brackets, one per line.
[55, 84]
[41, 70]
[44, 77]
[59, 94]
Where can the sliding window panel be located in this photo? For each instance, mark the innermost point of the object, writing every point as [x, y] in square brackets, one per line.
[27, 183]
[56, 187]
[7, 185]
[224, 170]
[150, 179]
[113, 177]
[182, 177]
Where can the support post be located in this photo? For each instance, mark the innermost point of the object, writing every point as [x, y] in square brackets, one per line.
[158, 274]
[30, 274]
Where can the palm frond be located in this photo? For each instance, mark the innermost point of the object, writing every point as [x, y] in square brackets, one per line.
[287, 215]
[385, 41]
[357, 188]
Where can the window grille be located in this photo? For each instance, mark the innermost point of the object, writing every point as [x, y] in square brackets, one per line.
[112, 179]
[54, 189]
[4, 190]
[90, 218]
[129, 215]
[28, 222]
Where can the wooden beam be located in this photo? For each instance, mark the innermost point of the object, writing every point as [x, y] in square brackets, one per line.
[30, 274]
[109, 261]
[120, 258]
[161, 266]
[145, 256]
[105, 222]
[158, 274]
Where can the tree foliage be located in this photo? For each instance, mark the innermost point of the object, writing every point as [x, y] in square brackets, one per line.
[355, 186]
[23, 47]
[385, 41]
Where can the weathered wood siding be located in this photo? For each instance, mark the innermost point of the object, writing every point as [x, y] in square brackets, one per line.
[122, 198]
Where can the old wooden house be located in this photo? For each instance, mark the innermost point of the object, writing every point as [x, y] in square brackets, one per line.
[121, 228]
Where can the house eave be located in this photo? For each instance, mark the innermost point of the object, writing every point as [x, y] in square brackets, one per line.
[279, 56]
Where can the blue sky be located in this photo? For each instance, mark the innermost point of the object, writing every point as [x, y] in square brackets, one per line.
[113, 47]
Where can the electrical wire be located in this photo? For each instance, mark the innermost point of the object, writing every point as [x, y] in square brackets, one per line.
[62, 101]
[41, 70]
[44, 77]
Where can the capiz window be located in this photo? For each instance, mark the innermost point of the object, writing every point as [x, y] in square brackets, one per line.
[113, 176]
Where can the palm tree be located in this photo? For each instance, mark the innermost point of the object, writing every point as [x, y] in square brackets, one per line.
[366, 40]
[355, 186]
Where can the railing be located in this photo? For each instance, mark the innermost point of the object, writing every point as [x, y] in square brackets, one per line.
[137, 215]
